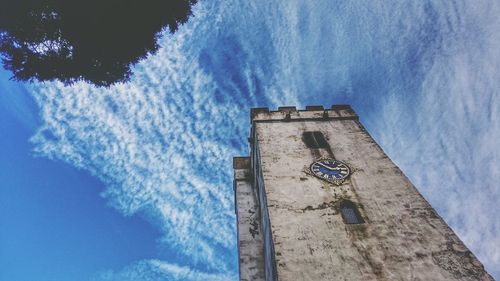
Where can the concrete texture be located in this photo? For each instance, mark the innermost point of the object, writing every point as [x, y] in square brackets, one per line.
[302, 234]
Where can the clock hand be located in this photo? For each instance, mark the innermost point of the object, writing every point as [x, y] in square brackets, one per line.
[328, 167]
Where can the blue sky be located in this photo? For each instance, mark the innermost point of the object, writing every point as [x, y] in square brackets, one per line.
[134, 182]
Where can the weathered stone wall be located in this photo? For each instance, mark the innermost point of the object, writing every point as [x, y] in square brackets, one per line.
[250, 245]
[265, 226]
[402, 238]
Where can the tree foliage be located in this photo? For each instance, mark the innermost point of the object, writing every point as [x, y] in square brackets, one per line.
[92, 40]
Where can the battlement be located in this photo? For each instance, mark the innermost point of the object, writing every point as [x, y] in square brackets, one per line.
[313, 112]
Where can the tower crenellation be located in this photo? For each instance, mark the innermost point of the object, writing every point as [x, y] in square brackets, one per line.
[310, 112]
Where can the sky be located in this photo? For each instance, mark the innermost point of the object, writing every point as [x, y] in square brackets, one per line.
[134, 182]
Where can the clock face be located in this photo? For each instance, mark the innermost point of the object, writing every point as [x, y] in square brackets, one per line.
[331, 170]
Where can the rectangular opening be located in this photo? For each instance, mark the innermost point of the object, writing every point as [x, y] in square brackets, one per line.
[314, 139]
[320, 139]
[309, 140]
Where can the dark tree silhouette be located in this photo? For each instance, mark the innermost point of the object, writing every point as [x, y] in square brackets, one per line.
[92, 40]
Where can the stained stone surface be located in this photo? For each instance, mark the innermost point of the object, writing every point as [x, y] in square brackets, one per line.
[250, 245]
[403, 238]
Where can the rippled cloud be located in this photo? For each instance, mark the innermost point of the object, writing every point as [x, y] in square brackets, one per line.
[421, 76]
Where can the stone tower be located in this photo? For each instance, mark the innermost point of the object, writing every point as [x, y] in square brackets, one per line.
[318, 199]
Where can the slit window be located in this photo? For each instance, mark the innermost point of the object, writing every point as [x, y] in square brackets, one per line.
[314, 139]
[350, 213]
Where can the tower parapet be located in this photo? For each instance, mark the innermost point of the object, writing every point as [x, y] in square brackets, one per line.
[290, 113]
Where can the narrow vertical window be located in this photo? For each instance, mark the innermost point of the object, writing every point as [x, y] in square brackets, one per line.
[314, 139]
[320, 139]
[350, 213]
[309, 140]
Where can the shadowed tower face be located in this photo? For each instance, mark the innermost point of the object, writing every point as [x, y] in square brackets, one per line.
[318, 199]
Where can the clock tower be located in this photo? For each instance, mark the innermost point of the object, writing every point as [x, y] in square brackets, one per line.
[318, 200]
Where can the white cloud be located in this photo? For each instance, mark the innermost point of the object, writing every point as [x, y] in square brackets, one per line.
[160, 145]
[445, 136]
[423, 77]
[156, 270]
